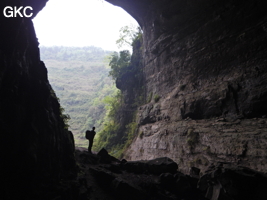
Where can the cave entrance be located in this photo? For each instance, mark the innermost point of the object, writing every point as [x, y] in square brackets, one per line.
[75, 38]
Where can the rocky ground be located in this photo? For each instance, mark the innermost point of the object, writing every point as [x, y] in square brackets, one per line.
[105, 177]
[102, 176]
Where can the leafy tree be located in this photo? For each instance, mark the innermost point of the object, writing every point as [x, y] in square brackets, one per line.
[115, 136]
[127, 36]
[119, 63]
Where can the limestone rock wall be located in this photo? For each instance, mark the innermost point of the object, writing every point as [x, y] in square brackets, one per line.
[35, 148]
[206, 63]
[200, 143]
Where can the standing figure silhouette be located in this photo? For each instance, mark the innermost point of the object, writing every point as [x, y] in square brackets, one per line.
[90, 136]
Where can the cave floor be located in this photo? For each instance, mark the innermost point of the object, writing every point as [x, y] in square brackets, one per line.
[94, 174]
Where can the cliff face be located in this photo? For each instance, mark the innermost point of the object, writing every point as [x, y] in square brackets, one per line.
[205, 63]
[35, 147]
[204, 67]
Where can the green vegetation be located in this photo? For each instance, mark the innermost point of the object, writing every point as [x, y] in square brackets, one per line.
[117, 133]
[89, 54]
[156, 98]
[64, 117]
[79, 76]
[113, 136]
[82, 79]
[130, 133]
[108, 136]
[128, 36]
[119, 64]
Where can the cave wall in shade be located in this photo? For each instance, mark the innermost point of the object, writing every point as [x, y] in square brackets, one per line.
[206, 60]
[35, 147]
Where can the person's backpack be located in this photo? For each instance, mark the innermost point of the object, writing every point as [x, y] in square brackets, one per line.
[87, 134]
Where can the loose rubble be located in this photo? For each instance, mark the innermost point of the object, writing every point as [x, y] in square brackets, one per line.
[105, 177]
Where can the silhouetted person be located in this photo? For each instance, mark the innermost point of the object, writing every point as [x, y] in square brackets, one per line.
[90, 136]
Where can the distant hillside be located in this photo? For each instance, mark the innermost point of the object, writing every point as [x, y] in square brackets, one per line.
[60, 53]
[79, 76]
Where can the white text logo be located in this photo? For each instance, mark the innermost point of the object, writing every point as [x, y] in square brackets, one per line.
[14, 12]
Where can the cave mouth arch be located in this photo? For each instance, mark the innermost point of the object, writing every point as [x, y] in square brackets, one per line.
[81, 23]
[91, 23]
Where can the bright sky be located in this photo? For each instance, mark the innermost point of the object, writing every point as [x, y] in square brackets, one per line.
[80, 23]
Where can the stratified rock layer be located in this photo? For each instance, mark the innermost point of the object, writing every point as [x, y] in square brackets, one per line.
[204, 61]
[199, 143]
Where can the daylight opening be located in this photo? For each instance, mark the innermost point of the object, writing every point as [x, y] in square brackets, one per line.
[76, 39]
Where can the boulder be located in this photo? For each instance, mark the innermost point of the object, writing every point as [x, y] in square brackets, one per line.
[155, 166]
[104, 157]
[194, 172]
[237, 183]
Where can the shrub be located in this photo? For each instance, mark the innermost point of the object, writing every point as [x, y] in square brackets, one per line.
[156, 98]
[119, 63]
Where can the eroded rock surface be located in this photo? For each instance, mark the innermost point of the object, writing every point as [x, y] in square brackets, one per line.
[203, 61]
[202, 142]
